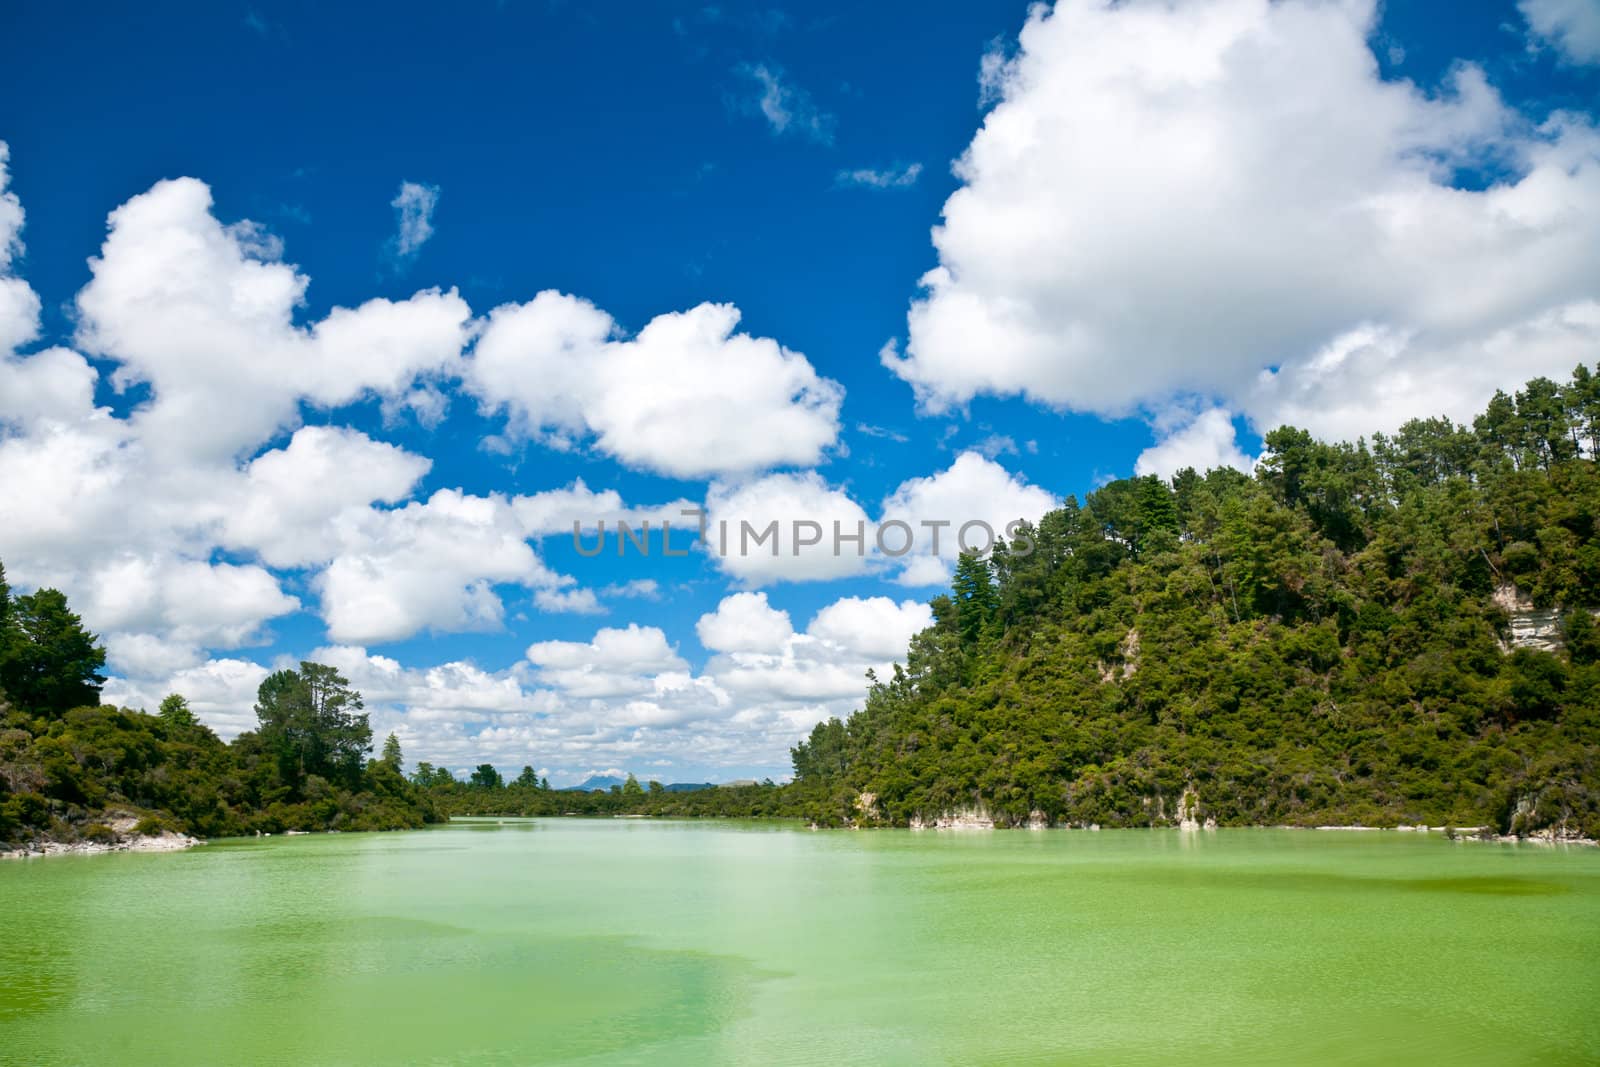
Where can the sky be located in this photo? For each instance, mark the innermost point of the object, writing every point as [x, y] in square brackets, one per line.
[320, 327]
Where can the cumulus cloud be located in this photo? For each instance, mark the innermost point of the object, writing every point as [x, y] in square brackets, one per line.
[1172, 199]
[786, 107]
[744, 622]
[128, 514]
[753, 536]
[686, 397]
[797, 527]
[761, 659]
[204, 314]
[1203, 442]
[959, 508]
[413, 216]
[1572, 27]
[427, 564]
[896, 177]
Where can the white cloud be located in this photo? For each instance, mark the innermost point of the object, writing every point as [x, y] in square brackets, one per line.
[740, 542]
[764, 664]
[413, 216]
[787, 108]
[782, 527]
[1169, 199]
[1204, 442]
[222, 692]
[686, 397]
[11, 213]
[617, 662]
[290, 496]
[745, 622]
[971, 490]
[431, 564]
[1571, 26]
[896, 177]
[871, 627]
[53, 386]
[569, 601]
[205, 314]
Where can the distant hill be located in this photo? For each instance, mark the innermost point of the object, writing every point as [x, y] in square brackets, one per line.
[596, 783]
[599, 783]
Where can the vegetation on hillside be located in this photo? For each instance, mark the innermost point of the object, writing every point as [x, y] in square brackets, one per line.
[1328, 641]
[67, 763]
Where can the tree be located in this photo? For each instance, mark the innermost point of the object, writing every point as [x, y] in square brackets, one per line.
[632, 788]
[49, 663]
[311, 723]
[975, 597]
[391, 753]
[486, 777]
[529, 778]
[544, 783]
[175, 710]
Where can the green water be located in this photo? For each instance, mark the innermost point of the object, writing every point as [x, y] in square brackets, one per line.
[571, 941]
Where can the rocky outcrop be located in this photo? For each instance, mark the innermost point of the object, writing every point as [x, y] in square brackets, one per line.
[975, 818]
[114, 835]
[1189, 810]
[1128, 659]
[867, 810]
[1531, 627]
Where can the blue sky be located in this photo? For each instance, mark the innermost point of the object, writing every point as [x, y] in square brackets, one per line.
[1137, 273]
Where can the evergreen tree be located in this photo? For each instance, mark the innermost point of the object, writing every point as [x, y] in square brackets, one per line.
[391, 754]
[975, 597]
[49, 663]
[486, 777]
[311, 722]
[175, 710]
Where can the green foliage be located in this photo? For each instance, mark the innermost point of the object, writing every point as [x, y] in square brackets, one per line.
[1318, 644]
[48, 662]
[391, 754]
[175, 710]
[485, 777]
[63, 770]
[310, 723]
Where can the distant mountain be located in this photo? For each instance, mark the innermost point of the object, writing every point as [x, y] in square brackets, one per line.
[599, 783]
[596, 783]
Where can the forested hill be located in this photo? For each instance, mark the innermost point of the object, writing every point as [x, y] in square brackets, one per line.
[74, 772]
[1378, 633]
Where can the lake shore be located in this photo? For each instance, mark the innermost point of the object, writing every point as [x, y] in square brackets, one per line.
[120, 835]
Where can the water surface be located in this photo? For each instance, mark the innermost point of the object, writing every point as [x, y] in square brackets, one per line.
[631, 941]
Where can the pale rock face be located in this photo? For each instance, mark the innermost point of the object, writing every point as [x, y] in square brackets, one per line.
[1189, 810]
[1531, 627]
[976, 818]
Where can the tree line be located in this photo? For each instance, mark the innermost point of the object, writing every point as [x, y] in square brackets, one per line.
[68, 763]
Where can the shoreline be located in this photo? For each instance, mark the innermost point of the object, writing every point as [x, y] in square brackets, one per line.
[123, 837]
[170, 841]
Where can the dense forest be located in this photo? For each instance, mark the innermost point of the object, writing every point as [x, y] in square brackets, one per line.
[1384, 633]
[1389, 633]
[71, 769]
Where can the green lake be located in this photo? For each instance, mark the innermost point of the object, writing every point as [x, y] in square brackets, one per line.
[629, 941]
